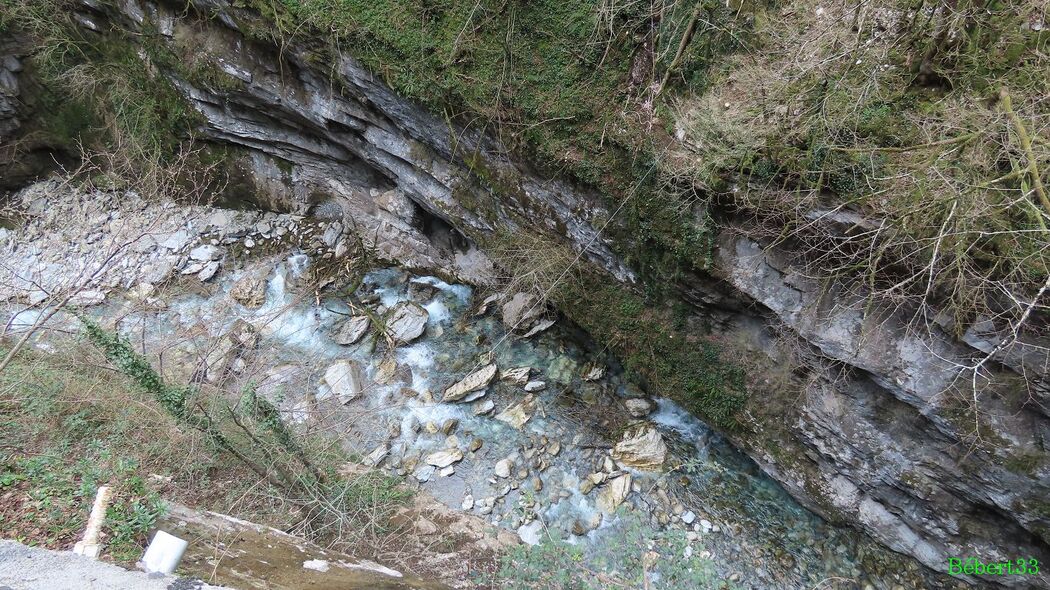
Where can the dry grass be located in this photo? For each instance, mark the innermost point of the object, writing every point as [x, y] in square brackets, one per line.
[899, 153]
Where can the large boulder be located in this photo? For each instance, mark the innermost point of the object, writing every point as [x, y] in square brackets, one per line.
[641, 447]
[345, 379]
[475, 381]
[406, 322]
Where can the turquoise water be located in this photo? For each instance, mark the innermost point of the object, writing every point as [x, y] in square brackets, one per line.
[745, 521]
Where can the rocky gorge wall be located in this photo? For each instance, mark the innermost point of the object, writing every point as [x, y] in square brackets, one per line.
[862, 430]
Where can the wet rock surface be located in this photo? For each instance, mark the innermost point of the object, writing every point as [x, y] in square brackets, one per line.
[573, 462]
[874, 449]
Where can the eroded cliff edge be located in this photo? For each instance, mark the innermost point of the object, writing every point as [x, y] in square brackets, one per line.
[849, 407]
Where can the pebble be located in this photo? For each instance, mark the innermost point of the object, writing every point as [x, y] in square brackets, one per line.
[449, 425]
[503, 467]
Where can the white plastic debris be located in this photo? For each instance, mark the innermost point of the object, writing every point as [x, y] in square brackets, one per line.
[164, 553]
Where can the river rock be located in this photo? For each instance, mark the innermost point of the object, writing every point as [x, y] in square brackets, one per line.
[351, 330]
[241, 337]
[420, 291]
[503, 467]
[206, 253]
[562, 369]
[376, 456]
[531, 533]
[539, 327]
[517, 375]
[614, 493]
[583, 526]
[521, 311]
[517, 415]
[176, 240]
[534, 386]
[208, 271]
[278, 380]
[473, 382]
[87, 298]
[642, 447]
[593, 372]
[442, 459]
[406, 322]
[387, 371]
[345, 379]
[483, 407]
[639, 408]
[250, 290]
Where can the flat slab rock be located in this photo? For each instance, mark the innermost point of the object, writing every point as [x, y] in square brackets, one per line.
[407, 322]
[351, 330]
[473, 382]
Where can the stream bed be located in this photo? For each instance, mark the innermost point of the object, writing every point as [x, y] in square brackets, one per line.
[734, 521]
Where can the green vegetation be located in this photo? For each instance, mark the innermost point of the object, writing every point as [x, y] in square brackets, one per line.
[53, 496]
[569, 85]
[916, 120]
[633, 554]
[657, 348]
[653, 340]
[72, 425]
[67, 429]
[97, 91]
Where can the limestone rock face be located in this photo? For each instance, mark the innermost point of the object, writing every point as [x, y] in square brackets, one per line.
[407, 322]
[475, 381]
[642, 447]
